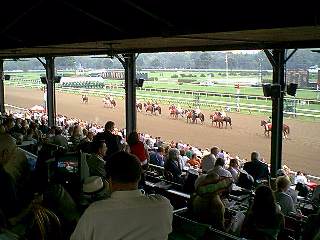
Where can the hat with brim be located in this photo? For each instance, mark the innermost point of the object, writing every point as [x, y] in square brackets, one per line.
[93, 184]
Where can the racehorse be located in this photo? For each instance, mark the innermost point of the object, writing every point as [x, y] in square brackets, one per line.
[175, 112]
[191, 115]
[218, 118]
[195, 116]
[139, 107]
[268, 128]
[85, 99]
[152, 108]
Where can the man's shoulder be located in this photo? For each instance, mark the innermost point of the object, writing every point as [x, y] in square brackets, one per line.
[158, 199]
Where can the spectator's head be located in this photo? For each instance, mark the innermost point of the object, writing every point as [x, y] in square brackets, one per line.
[8, 124]
[173, 154]
[8, 149]
[85, 132]
[220, 162]
[109, 126]
[283, 183]
[58, 131]
[99, 147]
[214, 150]
[90, 135]
[30, 132]
[182, 152]
[255, 156]
[76, 131]
[234, 163]
[280, 172]
[160, 150]
[124, 171]
[133, 138]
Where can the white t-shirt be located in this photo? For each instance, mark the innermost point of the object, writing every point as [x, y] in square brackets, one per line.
[126, 215]
[300, 179]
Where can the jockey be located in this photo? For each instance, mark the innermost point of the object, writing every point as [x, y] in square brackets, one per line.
[197, 111]
[228, 109]
[155, 105]
[223, 114]
[269, 119]
[179, 108]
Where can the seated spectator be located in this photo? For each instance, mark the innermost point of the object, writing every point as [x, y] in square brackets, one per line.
[234, 169]
[128, 213]
[95, 161]
[157, 157]
[263, 219]
[58, 139]
[282, 198]
[28, 138]
[172, 165]
[76, 135]
[300, 178]
[256, 168]
[205, 204]
[138, 149]
[112, 140]
[194, 161]
[183, 159]
[292, 192]
[94, 189]
[219, 169]
[209, 160]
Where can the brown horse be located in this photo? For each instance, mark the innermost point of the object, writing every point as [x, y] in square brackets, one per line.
[175, 112]
[268, 128]
[216, 118]
[85, 99]
[139, 107]
[152, 108]
[191, 115]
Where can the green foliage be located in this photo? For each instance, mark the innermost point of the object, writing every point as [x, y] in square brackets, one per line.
[174, 76]
[202, 75]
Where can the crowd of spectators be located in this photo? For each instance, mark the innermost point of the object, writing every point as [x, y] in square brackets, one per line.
[118, 165]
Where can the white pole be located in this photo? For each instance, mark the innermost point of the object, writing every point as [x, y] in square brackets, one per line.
[227, 66]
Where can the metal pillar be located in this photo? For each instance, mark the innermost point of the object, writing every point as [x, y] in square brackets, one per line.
[2, 109]
[277, 60]
[130, 88]
[50, 91]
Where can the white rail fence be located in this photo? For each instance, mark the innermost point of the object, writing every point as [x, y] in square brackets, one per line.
[183, 100]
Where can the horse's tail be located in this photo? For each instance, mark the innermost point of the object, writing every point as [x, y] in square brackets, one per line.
[159, 108]
[288, 129]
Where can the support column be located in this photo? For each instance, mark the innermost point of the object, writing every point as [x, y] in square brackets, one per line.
[277, 111]
[50, 91]
[130, 88]
[2, 109]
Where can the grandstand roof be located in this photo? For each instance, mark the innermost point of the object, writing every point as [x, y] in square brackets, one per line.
[68, 27]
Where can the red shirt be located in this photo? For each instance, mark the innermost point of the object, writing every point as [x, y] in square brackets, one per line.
[139, 150]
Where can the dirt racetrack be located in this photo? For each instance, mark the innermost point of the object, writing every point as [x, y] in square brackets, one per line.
[300, 152]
